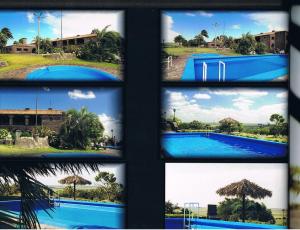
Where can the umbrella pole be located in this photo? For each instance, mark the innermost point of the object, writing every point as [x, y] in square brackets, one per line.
[74, 191]
[244, 200]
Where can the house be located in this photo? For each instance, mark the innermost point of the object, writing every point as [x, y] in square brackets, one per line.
[27, 119]
[75, 40]
[274, 40]
[58, 42]
[21, 48]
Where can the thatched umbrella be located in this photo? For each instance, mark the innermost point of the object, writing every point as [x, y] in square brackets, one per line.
[229, 120]
[242, 189]
[74, 180]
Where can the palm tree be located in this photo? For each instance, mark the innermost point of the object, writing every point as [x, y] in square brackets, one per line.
[74, 180]
[80, 128]
[242, 189]
[204, 33]
[32, 191]
[5, 35]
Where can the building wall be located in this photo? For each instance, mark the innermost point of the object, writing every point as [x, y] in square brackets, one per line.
[281, 40]
[20, 49]
[52, 122]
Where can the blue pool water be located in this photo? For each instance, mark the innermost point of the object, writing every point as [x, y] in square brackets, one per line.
[76, 214]
[69, 72]
[238, 68]
[177, 223]
[215, 145]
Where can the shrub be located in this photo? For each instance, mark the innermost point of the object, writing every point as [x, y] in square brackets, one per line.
[71, 49]
[26, 134]
[4, 133]
[231, 209]
[261, 48]
[246, 45]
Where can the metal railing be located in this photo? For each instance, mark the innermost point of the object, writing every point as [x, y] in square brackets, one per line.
[190, 213]
[169, 62]
[204, 71]
[223, 72]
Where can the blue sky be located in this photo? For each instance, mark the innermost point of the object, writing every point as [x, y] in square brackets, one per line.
[211, 105]
[23, 24]
[190, 23]
[105, 102]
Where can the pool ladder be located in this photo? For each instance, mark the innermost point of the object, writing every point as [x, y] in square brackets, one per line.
[222, 64]
[54, 200]
[190, 213]
[222, 71]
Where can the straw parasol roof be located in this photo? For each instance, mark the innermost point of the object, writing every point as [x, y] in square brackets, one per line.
[74, 180]
[244, 187]
[228, 119]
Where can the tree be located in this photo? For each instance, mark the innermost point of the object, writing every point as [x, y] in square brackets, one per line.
[106, 47]
[279, 126]
[179, 40]
[260, 48]
[196, 125]
[170, 207]
[231, 210]
[74, 180]
[204, 33]
[199, 39]
[109, 183]
[246, 44]
[80, 129]
[5, 35]
[242, 189]
[46, 45]
[230, 125]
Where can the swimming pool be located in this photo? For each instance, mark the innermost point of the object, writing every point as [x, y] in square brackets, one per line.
[214, 67]
[216, 145]
[69, 72]
[76, 214]
[177, 223]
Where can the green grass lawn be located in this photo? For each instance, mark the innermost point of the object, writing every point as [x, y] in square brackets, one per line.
[180, 51]
[11, 150]
[18, 61]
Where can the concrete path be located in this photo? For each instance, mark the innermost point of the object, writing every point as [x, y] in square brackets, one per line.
[175, 72]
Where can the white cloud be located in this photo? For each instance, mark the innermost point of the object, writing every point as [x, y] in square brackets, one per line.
[206, 14]
[30, 17]
[247, 93]
[282, 95]
[83, 22]
[202, 96]
[168, 33]
[236, 27]
[190, 14]
[242, 110]
[110, 123]
[78, 94]
[272, 20]
[242, 103]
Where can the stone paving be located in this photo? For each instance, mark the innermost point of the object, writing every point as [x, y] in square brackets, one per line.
[175, 72]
